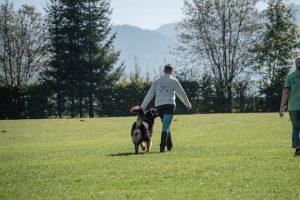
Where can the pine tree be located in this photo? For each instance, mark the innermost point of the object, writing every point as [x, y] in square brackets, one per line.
[99, 50]
[55, 75]
[83, 56]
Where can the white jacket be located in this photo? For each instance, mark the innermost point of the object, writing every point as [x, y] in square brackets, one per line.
[164, 88]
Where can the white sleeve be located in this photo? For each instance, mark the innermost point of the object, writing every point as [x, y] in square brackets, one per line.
[149, 96]
[181, 94]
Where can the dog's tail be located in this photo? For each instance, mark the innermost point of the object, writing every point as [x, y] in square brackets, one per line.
[141, 114]
[138, 109]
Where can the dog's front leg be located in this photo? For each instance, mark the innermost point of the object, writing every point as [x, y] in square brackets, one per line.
[136, 148]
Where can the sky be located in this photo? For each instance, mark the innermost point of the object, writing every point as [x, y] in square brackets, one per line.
[146, 14]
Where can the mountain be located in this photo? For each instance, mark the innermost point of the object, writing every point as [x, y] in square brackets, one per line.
[168, 30]
[149, 49]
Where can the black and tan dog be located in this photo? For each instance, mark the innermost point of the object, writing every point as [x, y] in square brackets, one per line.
[141, 131]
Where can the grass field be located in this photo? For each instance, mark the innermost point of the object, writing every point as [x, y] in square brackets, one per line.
[215, 156]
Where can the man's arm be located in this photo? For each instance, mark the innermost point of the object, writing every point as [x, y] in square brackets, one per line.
[284, 100]
[182, 95]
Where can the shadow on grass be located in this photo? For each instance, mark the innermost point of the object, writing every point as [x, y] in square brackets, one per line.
[132, 153]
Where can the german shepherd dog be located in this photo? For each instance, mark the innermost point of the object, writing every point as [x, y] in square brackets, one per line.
[141, 130]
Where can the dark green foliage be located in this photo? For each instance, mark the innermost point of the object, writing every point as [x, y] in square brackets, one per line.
[29, 102]
[83, 57]
[276, 51]
[37, 104]
[11, 103]
[130, 93]
[243, 96]
[207, 94]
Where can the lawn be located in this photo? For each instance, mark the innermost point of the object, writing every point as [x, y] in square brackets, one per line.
[215, 156]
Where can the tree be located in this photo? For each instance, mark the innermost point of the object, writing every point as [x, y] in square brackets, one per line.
[55, 76]
[99, 50]
[23, 54]
[276, 51]
[220, 34]
[23, 45]
[82, 54]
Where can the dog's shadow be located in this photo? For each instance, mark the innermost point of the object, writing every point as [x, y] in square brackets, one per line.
[132, 153]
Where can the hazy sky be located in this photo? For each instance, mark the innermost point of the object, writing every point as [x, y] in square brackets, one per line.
[146, 14]
[149, 14]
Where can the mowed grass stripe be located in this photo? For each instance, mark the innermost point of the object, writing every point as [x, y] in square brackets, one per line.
[215, 156]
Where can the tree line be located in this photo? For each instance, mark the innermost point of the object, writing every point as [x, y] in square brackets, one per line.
[63, 64]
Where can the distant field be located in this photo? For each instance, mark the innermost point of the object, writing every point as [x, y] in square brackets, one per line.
[215, 156]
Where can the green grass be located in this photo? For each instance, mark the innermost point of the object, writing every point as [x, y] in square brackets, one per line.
[216, 156]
